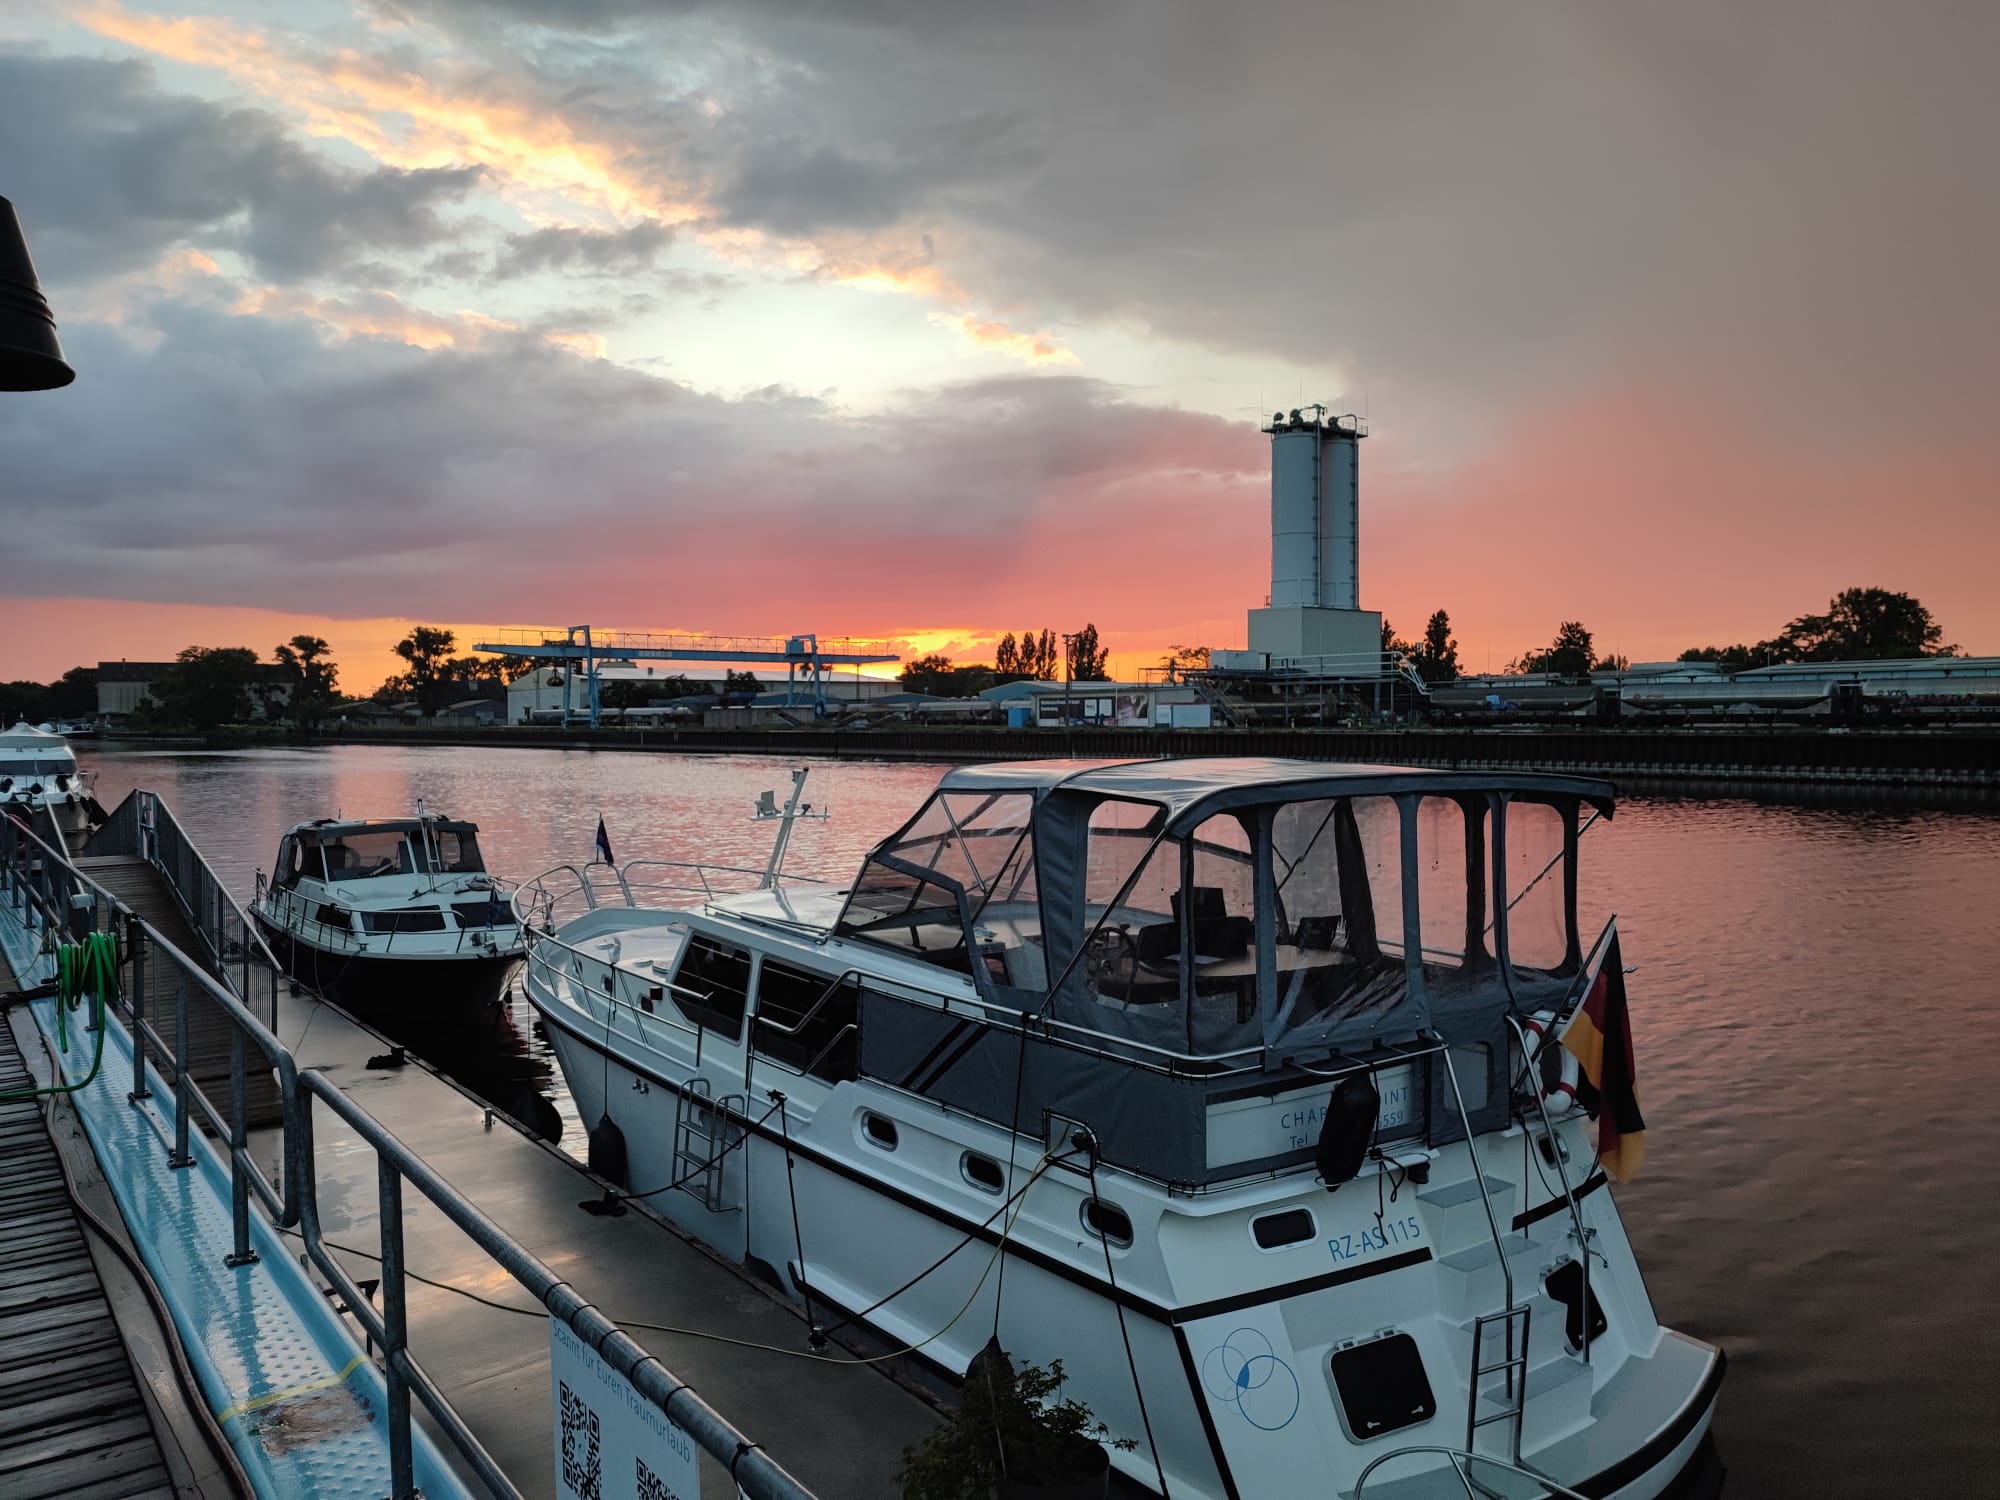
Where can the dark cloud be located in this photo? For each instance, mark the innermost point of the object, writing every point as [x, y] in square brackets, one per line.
[1469, 206]
[110, 170]
[620, 252]
[259, 462]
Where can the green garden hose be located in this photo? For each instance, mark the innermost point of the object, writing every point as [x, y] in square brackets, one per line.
[85, 970]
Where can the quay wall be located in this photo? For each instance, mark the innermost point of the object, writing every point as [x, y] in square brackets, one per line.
[1879, 758]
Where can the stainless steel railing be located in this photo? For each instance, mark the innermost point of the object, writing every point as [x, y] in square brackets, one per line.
[48, 894]
[144, 826]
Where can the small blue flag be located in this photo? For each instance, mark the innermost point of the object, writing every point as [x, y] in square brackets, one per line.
[604, 842]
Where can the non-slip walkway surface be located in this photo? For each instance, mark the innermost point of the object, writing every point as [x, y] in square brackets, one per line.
[72, 1421]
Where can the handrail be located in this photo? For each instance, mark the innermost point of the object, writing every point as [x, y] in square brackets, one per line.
[1583, 1236]
[43, 886]
[1460, 1457]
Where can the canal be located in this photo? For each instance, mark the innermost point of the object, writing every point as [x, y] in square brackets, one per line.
[1816, 1005]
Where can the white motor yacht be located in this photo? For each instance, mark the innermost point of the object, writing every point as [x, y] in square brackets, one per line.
[1233, 1084]
[38, 770]
[389, 915]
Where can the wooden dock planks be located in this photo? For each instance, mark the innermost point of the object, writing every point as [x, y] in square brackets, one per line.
[144, 889]
[72, 1421]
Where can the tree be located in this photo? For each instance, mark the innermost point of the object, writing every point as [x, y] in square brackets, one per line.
[1006, 656]
[1086, 659]
[1613, 661]
[427, 650]
[23, 700]
[927, 674]
[313, 678]
[741, 682]
[1393, 644]
[1185, 659]
[1437, 656]
[73, 695]
[1859, 625]
[1868, 625]
[1036, 656]
[206, 686]
[1569, 655]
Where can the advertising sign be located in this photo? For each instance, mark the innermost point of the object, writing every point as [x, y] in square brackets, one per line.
[611, 1442]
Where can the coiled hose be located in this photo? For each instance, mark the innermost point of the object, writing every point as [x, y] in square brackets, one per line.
[85, 970]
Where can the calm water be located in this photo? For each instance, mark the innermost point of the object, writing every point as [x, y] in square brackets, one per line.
[1816, 1006]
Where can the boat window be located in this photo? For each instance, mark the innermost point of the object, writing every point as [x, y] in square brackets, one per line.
[1275, 1231]
[291, 863]
[1107, 1221]
[803, 1026]
[900, 909]
[983, 1172]
[330, 915]
[1134, 955]
[357, 856]
[1325, 872]
[1451, 889]
[712, 984]
[1220, 909]
[878, 1131]
[410, 919]
[1537, 929]
[460, 852]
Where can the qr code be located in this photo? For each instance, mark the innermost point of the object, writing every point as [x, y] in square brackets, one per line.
[582, 1456]
[651, 1486]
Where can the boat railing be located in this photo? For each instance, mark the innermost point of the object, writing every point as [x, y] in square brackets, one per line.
[49, 896]
[291, 911]
[552, 899]
[1462, 1460]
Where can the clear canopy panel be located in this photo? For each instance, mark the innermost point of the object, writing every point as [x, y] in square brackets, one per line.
[1539, 939]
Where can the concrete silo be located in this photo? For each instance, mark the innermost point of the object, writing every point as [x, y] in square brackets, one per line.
[1315, 601]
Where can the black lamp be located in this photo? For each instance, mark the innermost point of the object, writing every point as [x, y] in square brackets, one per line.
[30, 357]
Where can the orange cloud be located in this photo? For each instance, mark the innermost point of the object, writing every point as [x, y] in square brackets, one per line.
[378, 315]
[551, 171]
[977, 335]
[404, 118]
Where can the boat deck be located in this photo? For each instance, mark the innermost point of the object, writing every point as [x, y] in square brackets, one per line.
[72, 1420]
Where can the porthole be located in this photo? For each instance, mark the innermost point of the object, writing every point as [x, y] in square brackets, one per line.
[983, 1172]
[1275, 1231]
[1107, 1221]
[880, 1132]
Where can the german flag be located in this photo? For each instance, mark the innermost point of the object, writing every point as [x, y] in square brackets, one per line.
[1599, 1036]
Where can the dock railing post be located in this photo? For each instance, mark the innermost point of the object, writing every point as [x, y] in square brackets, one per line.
[136, 939]
[181, 1156]
[395, 1330]
[239, 1180]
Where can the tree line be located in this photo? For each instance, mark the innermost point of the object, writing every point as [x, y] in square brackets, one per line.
[1033, 656]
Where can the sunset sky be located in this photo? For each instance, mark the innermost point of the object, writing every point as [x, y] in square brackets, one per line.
[925, 320]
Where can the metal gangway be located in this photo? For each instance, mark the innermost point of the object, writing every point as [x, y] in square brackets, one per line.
[47, 898]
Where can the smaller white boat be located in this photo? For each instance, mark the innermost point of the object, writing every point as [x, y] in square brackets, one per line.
[38, 770]
[390, 915]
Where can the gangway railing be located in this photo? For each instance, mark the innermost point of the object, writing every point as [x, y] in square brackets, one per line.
[50, 896]
[144, 826]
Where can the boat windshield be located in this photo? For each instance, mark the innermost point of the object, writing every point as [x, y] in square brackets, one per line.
[456, 850]
[358, 856]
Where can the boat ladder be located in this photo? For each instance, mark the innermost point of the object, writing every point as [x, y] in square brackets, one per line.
[1510, 1326]
[703, 1136]
[1510, 1320]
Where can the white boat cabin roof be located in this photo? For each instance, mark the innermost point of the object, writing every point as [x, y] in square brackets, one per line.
[319, 830]
[1184, 784]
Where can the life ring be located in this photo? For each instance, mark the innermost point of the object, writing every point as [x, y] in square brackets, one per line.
[1537, 1030]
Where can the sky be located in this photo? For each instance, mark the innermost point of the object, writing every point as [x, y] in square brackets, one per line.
[925, 320]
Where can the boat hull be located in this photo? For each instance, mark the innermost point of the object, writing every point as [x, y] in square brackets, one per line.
[391, 989]
[788, 1194]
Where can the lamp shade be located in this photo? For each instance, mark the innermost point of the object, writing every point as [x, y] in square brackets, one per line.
[30, 357]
